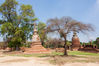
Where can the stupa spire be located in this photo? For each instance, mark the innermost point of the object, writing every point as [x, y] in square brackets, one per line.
[35, 28]
[35, 37]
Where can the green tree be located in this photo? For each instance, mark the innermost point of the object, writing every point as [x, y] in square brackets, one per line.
[8, 10]
[16, 25]
[97, 42]
[41, 31]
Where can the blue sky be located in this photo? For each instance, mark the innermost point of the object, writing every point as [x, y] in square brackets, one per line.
[86, 11]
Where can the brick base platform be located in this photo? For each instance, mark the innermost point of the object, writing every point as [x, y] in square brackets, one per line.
[36, 47]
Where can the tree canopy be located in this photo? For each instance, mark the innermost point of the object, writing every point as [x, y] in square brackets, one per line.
[16, 24]
[41, 32]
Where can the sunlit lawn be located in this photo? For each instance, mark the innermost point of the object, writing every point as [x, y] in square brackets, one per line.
[82, 53]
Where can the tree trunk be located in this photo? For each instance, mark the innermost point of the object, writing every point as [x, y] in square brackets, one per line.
[42, 42]
[17, 48]
[65, 47]
[71, 48]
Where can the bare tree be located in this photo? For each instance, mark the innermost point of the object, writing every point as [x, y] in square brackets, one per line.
[66, 25]
[54, 43]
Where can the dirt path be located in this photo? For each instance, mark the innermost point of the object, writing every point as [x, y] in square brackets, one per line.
[81, 64]
[33, 61]
[22, 61]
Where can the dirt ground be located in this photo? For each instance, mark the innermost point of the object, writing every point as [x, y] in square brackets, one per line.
[34, 61]
[22, 61]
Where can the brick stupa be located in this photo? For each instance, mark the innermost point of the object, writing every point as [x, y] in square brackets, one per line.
[36, 46]
[75, 42]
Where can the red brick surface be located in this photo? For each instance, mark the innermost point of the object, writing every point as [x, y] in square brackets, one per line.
[75, 43]
[36, 47]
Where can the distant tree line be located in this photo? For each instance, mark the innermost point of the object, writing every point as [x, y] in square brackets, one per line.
[93, 43]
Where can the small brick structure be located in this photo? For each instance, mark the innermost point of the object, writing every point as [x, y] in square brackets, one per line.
[89, 48]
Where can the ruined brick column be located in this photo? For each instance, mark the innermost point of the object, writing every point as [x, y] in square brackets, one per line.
[75, 42]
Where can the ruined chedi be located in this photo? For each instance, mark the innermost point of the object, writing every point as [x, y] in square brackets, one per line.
[75, 42]
[36, 46]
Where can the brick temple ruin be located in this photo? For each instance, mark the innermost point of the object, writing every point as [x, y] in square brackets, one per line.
[89, 48]
[36, 46]
[75, 42]
[77, 46]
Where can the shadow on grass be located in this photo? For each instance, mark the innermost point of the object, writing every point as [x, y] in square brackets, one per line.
[53, 54]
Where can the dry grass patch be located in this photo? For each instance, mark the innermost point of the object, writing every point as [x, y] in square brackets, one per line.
[75, 56]
[60, 60]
